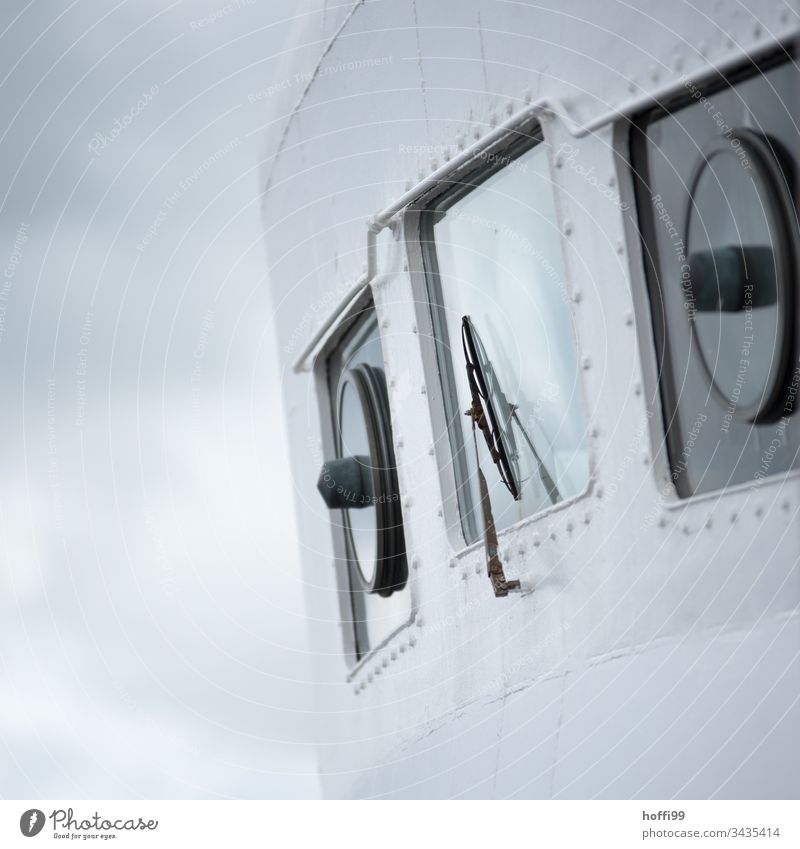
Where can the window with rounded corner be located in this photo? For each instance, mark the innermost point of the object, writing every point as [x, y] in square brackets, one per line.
[359, 487]
[716, 179]
[504, 339]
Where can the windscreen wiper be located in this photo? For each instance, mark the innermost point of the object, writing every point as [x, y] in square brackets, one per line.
[498, 416]
[492, 414]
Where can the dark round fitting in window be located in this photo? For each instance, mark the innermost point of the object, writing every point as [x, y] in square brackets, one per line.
[362, 482]
[738, 282]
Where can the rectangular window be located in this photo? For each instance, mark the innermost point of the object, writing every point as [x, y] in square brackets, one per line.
[493, 255]
[359, 487]
[716, 179]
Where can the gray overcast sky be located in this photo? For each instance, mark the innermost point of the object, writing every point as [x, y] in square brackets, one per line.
[152, 640]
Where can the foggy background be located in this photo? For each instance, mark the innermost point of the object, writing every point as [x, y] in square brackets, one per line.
[152, 637]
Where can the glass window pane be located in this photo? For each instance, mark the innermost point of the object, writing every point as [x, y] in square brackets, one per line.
[498, 252]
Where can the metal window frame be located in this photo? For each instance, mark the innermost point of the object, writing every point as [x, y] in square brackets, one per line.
[713, 81]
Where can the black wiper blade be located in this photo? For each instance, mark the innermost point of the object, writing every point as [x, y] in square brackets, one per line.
[486, 397]
[494, 415]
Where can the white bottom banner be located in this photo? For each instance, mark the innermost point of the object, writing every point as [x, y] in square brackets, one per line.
[402, 824]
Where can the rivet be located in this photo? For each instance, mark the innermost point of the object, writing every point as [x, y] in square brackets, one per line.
[431, 450]
[637, 388]
[786, 506]
[386, 663]
[509, 108]
[385, 323]
[408, 501]
[757, 30]
[403, 648]
[414, 328]
[439, 512]
[527, 95]
[620, 247]
[394, 654]
[537, 541]
[686, 530]
[599, 492]
[759, 512]
[594, 432]
[419, 621]
[709, 522]
[570, 527]
[357, 689]
[478, 569]
[612, 181]
[586, 363]
[415, 563]
[629, 318]
[412, 641]
[587, 518]
[632, 86]
[493, 120]
[476, 132]
[734, 517]
[576, 296]
[559, 161]
[568, 227]
[405, 266]
[423, 390]
[553, 535]
[662, 522]
[369, 678]
[654, 73]
[521, 551]
[377, 671]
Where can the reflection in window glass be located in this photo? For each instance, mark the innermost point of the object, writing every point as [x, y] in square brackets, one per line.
[498, 260]
[718, 212]
[362, 520]
[734, 277]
